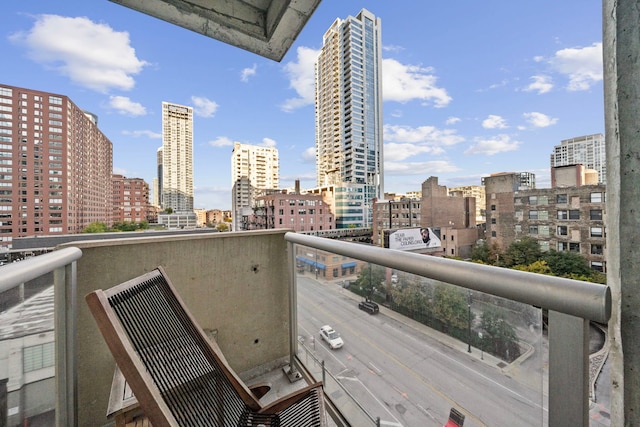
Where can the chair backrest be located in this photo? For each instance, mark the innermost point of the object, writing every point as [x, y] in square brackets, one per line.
[177, 374]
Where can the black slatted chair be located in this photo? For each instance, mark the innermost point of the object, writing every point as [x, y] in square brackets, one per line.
[179, 376]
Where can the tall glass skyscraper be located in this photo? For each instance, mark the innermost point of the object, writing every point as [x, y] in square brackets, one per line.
[588, 150]
[349, 146]
[177, 157]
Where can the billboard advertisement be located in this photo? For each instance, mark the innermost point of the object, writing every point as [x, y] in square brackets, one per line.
[408, 239]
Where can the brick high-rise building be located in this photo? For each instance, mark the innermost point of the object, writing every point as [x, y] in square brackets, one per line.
[55, 166]
[130, 199]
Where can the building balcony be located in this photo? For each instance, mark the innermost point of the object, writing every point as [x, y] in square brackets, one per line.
[246, 293]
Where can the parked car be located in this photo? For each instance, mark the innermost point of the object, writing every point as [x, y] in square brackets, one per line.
[369, 306]
[332, 338]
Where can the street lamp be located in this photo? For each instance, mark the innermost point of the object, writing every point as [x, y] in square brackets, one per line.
[481, 346]
[469, 307]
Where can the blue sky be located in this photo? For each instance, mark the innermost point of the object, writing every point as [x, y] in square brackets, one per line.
[470, 88]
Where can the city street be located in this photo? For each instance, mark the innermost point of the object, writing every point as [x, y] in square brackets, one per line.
[403, 374]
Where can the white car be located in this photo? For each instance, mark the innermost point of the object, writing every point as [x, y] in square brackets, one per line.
[331, 337]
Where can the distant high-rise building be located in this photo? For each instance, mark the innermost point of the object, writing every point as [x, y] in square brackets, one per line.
[500, 207]
[157, 190]
[177, 157]
[253, 168]
[130, 199]
[477, 192]
[55, 166]
[349, 146]
[588, 150]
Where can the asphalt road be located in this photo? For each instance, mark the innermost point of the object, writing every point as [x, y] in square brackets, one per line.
[404, 375]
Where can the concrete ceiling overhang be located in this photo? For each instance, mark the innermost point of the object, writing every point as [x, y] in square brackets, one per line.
[265, 27]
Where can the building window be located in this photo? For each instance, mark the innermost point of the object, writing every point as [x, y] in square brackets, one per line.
[563, 214]
[493, 234]
[597, 265]
[574, 214]
[574, 247]
[543, 230]
[38, 357]
[517, 201]
[493, 220]
[493, 207]
[596, 231]
[544, 245]
[596, 198]
[562, 246]
[533, 229]
[533, 200]
[562, 230]
[595, 215]
[533, 214]
[596, 249]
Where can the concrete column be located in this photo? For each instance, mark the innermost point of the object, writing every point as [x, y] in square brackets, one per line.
[621, 46]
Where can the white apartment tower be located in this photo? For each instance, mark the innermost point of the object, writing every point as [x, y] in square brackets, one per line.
[177, 157]
[349, 146]
[253, 169]
[588, 150]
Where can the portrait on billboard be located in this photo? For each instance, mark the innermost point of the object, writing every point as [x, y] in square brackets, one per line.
[414, 238]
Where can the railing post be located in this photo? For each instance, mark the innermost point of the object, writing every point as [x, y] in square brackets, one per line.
[65, 313]
[291, 370]
[568, 370]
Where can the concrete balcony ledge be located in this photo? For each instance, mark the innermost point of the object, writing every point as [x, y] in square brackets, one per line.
[236, 288]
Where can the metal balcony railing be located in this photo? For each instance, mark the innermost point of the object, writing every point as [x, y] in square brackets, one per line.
[63, 265]
[572, 304]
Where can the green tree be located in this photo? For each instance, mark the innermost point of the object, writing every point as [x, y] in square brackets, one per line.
[370, 279]
[410, 296]
[486, 253]
[567, 263]
[522, 252]
[500, 337]
[480, 252]
[450, 305]
[540, 267]
[222, 227]
[96, 227]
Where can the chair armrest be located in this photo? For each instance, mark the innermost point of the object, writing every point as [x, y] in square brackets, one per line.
[290, 399]
[260, 389]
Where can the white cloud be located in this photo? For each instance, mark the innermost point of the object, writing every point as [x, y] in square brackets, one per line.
[403, 83]
[494, 122]
[452, 120]
[139, 133]
[539, 120]
[583, 66]
[125, 106]
[402, 142]
[491, 146]
[92, 55]
[392, 48]
[309, 155]
[268, 142]
[419, 168]
[248, 72]
[541, 84]
[204, 107]
[221, 141]
[399, 152]
[301, 76]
